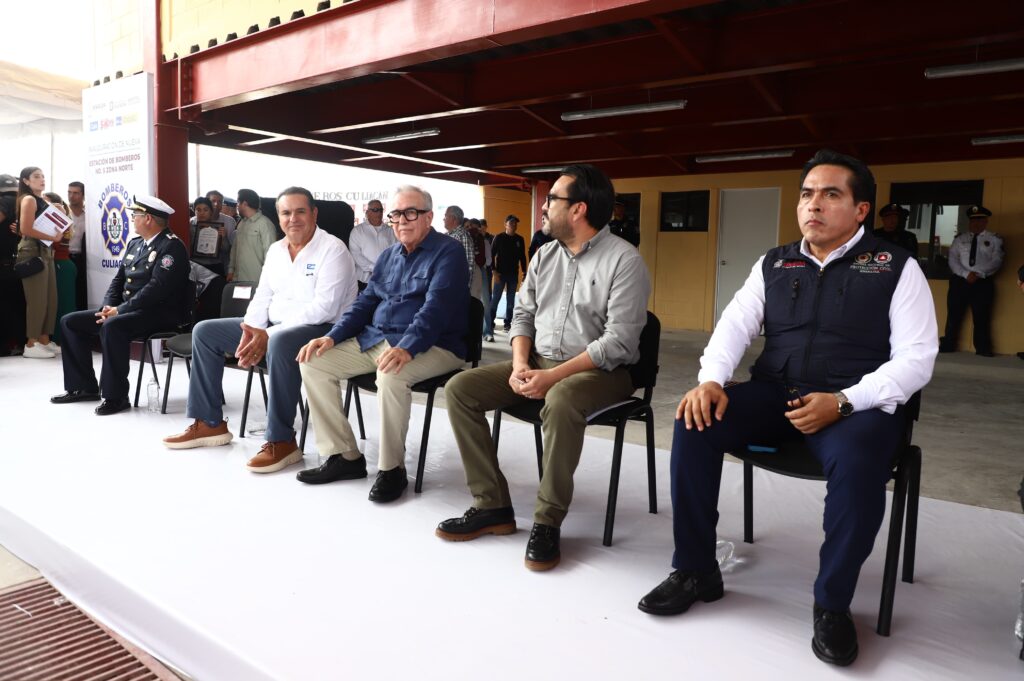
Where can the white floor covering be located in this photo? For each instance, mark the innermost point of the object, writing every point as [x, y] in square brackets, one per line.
[230, 575]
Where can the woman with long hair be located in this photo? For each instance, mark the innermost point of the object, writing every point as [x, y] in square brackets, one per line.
[67, 271]
[41, 287]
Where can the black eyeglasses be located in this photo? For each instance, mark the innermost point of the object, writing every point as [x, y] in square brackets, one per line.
[374, 210]
[411, 214]
[552, 198]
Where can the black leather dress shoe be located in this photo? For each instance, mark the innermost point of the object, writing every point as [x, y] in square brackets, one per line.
[835, 637]
[389, 485]
[336, 467]
[682, 589]
[108, 407]
[75, 396]
[477, 522]
[542, 551]
[984, 353]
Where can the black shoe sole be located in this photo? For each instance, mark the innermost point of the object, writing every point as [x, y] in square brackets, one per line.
[837, 661]
[326, 480]
[110, 412]
[542, 565]
[81, 398]
[707, 597]
[498, 530]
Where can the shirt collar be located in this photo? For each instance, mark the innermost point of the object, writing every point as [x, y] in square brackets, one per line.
[837, 253]
[588, 244]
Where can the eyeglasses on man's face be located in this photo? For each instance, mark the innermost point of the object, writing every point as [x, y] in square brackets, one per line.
[551, 198]
[374, 210]
[411, 214]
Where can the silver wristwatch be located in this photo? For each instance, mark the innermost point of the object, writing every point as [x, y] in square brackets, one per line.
[845, 406]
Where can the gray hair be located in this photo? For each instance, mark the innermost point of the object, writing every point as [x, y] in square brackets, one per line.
[419, 190]
[457, 212]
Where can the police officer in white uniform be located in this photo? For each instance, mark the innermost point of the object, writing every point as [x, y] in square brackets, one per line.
[974, 257]
[148, 294]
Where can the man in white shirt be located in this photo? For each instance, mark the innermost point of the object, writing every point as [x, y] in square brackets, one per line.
[76, 202]
[369, 239]
[308, 281]
[850, 336]
[974, 258]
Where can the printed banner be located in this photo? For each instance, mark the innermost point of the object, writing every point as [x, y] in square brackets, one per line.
[117, 119]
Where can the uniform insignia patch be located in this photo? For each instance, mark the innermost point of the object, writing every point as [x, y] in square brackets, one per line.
[778, 264]
[883, 257]
[863, 258]
[167, 261]
[152, 256]
[987, 243]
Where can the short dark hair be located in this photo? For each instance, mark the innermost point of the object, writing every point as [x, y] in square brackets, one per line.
[862, 182]
[298, 190]
[212, 192]
[592, 187]
[77, 185]
[202, 201]
[249, 198]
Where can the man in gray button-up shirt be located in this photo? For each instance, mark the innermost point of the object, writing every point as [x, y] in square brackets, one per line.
[576, 327]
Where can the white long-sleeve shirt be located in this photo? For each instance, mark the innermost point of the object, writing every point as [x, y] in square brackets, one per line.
[366, 243]
[913, 337]
[988, 257]
[314, 288]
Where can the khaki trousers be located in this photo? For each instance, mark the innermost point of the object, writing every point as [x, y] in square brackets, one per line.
[40, 290]
[322, 377]
[473, 393]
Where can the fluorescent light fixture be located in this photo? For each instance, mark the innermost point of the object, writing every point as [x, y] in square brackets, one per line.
[398, 137]
[975, 69]
[746, 156]
[265, 140]
[544, 169]
[652, 107]
[354, 159]
[443, 172]
[999, 139]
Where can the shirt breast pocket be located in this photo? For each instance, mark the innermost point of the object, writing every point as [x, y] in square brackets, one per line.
[418, 284]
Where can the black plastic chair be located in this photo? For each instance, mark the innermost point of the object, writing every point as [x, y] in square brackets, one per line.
[795, 460]
[644, 375]
[188, 309]
[180, 345]
[428, 387]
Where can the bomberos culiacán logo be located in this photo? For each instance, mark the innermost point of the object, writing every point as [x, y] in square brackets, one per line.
[114, 220]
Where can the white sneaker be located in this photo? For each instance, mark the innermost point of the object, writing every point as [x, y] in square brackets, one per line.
[53, 347]
[38, 351]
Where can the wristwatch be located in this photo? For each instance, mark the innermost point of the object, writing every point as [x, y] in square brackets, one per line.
[845, 406]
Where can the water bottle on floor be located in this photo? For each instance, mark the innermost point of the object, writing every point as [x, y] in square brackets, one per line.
[153, 396]
[724, 551]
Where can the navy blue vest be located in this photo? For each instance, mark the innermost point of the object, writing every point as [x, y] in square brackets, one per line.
[827, 328]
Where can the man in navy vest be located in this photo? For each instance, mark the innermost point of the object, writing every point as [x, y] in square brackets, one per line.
[850, 336]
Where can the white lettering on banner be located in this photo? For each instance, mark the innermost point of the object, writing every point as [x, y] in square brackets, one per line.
[117, 119]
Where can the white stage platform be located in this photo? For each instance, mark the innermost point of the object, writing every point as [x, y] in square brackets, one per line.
[235, 576]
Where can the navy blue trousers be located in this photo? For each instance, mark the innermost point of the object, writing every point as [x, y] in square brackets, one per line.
[856, 454]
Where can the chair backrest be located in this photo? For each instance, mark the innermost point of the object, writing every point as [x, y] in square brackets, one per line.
[474, 337]
[234, 301]
[645, 372]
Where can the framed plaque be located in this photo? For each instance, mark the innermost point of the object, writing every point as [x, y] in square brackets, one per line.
[207, 240]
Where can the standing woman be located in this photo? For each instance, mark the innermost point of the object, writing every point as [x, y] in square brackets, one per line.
[67, 271]
[40, 288]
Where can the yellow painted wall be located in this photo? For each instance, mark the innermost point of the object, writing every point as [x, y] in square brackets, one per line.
[683, 264]
[499, 203]
[117, 39]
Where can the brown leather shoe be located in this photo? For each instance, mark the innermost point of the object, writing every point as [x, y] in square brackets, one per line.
[273, 456]
[200, 435]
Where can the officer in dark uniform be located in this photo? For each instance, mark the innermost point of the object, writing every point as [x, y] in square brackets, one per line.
[621, 226]
[148, 294]
[894, 227]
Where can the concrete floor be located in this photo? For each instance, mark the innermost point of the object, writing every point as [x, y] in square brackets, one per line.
[970, 429]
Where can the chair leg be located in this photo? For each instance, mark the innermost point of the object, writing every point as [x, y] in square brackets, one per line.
[349, 387]
[167, 382]
[423, 443]
[538, 441]
[304, 410]
[263, 387]
[142, 366]
[913, 496]
[152, 360]
[613, 484]
[652, 487]
[748, 503]
[188, 367]
[245, 403]
[892, 551]
[496, 428]
[359, 414]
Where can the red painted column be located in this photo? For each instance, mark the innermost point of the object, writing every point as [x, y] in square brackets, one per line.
[170, 136]
[541, 188]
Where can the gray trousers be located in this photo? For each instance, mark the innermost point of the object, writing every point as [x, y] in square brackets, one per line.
[473, 393]
[215, 337]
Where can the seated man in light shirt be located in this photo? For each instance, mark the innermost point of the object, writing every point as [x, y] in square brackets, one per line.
[308, 281]
[369, 239]
[407, 325]
[575, 328]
